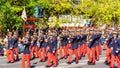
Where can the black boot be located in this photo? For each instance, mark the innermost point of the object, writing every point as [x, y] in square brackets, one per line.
[93, 63]
[77, 62]
[33, 57]
[106, 63]
[97, 59]
[68, 62]
[89, 63]
[17, 58]
[41, 61]
[83, 56]
[55, 66]
[61, 58]
[8, 62]
[66, 57]
[47, 66]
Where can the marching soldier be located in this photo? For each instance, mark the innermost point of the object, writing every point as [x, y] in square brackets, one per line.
[51, 52]
[73, 50]
[34, 47]
[100, 42]
[79, 44]
[26, 52]
[63, 46]
[15, 45]
[10, 53]
[69, 42]
[97, 45]
[91, 48]
[45, 43]
[115, 50]
[66, 44]
[55, 43]
[83, 44]
[41, 47]
[108, 49]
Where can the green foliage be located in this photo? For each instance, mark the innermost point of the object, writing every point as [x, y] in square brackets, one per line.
[100, 11]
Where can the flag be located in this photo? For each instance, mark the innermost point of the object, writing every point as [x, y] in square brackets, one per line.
[24, 16]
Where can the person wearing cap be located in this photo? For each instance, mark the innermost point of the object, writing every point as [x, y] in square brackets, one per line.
[41, 48]
[96, 43]
[66, 44]
[10, 53]
[34, 47]
[73, 49]
[108, 49]
[55, 40]
[83, 44]
[62, 46]
[15, 46]
[99, 42]
[115, 50]
[79, 44]
[91, 49]
[26, 53]
[45, 43]
[51, 52]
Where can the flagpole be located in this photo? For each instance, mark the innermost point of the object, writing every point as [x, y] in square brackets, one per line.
[24, 20]
[23, 27]
[24, 17]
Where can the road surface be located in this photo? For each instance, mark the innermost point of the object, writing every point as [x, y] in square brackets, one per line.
[62, 63]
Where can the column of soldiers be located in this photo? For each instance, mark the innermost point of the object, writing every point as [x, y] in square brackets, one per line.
[64, 43]
[112, 46]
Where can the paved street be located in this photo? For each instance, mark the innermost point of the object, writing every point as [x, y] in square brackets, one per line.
[62, 63]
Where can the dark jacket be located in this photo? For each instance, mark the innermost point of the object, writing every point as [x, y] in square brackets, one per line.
[74, 43]
[15, 42]
[10, 42]
[27, 48]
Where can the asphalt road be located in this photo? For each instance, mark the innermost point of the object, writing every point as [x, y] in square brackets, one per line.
[62, 63]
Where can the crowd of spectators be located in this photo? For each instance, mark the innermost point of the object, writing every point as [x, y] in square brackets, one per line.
[4, 43]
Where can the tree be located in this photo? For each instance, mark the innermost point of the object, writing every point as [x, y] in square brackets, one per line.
[99, 11]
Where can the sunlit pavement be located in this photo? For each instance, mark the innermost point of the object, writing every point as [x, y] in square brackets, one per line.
[62, 63]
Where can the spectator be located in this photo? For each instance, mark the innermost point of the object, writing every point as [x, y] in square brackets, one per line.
[5, 44]
[1, 47]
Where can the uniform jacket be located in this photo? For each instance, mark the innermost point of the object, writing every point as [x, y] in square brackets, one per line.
[51, 45]
[15, 42]
[115, 45]
[10, 42]
[35, 41]
[27, 47]
[74, 42]
[91, 41]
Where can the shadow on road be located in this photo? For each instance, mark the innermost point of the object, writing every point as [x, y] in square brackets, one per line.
[76, 67]
[33, 66]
